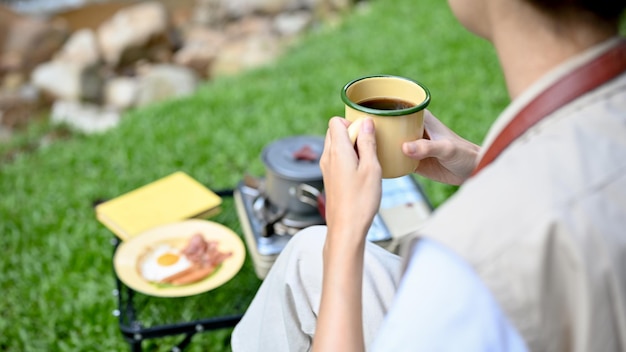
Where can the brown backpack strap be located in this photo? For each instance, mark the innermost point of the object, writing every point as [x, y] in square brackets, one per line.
[585, 79]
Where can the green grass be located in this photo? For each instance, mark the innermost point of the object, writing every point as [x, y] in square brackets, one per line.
[56, 279]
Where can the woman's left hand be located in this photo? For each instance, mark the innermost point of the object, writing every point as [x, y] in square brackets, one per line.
[352, 179]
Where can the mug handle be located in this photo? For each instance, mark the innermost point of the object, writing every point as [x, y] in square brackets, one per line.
[354, 128]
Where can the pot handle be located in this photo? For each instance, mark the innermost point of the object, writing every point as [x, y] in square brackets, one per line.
[307, 194]
[312, 196]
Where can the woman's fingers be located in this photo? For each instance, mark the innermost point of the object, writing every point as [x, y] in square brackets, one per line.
[366, 145]
[337, 144]
[426, 148]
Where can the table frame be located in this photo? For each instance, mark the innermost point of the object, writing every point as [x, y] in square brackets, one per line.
[135, 333]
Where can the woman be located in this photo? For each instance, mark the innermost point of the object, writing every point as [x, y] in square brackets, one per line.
[532, 243]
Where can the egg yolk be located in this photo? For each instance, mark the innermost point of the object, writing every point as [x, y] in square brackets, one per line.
[167, 259]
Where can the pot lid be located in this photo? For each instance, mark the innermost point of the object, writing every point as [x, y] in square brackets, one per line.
[296, 158]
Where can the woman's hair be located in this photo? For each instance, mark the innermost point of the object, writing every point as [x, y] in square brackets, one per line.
[605, 9]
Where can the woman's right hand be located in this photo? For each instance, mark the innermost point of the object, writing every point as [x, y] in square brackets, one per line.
[444, 156]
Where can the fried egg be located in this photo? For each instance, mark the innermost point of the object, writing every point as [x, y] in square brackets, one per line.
[162, 262]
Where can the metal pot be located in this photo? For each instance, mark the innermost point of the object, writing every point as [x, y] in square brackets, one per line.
[290, 164]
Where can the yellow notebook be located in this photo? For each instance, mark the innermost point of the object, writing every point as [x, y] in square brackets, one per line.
[172, 198]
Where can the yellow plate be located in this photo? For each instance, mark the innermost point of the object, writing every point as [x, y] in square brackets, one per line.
[178, 234]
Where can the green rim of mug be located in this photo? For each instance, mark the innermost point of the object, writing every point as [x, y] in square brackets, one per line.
[398, 112]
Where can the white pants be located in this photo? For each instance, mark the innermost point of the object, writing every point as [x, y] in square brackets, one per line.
[283, 314]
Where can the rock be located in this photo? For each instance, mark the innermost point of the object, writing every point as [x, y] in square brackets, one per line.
[121, 92]
[27, 41]
[90, 14]
[201, 47]
[128, 53]
[340, 5]
[246, 53]
[68, 80]
[132, 31]
[163, 82]
[252, 42]
[12, 81]
[18, 108]
[249, 26]
[290, 24]
[197, 58]
[84, 117]
[7, 18]
[209, 13]
[80, 48]
[5, 133]
[242, 8]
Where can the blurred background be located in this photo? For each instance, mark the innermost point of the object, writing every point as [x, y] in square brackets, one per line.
[98, 98]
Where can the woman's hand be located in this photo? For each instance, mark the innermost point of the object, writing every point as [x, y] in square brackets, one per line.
[353, 187]
[445, 157]
[352, 178]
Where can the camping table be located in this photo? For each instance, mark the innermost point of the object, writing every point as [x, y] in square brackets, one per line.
[142, 317]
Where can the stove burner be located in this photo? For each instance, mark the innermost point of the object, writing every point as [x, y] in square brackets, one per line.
[301, 221]
[265, 240]
[268, 214]
[278, 221]
[290, 224]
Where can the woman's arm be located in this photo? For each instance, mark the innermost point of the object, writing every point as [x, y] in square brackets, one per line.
[352, 184]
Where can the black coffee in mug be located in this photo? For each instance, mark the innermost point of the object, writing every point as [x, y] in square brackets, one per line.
[386, 103]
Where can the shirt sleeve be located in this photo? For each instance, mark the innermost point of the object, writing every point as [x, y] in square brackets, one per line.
[442, 305]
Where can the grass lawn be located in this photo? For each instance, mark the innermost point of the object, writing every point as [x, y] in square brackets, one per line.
[56, 279]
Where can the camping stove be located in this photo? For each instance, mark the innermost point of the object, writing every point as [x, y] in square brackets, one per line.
[267, 229]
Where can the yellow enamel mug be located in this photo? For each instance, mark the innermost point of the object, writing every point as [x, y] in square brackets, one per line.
[396, 105]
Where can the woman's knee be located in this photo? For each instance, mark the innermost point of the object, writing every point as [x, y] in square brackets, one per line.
[305, 246]
[310, 239]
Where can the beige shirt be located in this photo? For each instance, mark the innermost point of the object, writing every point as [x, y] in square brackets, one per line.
[545, 224]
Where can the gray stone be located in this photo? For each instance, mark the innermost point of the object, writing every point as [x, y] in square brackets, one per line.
[84, 117]
[164, 82]
[249, 26]
[81, 48]
[68, 80]
[26, 42]
[12, 81]
[121, 92]
[246, 53]
[131, 28]
[290, 24]
[209, 13]
[241, 8]
[17, 108]
[5, 133]
[201, 47]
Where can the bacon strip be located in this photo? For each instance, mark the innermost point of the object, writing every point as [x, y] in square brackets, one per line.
[206, 258]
